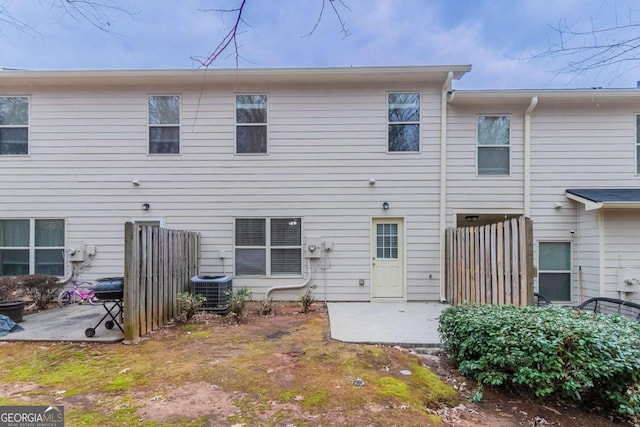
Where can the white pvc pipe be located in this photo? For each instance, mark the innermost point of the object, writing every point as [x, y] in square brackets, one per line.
[67, 278]
[297, 286]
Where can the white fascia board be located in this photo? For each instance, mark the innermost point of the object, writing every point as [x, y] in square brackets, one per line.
[589, 205]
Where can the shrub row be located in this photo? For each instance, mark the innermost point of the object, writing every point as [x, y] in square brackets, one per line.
[39, 288]
[547, 351]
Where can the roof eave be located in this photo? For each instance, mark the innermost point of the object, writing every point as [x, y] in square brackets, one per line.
[327, 75]
[523, 96]
[591, 205]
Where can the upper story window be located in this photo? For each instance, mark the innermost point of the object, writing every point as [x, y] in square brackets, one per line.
[14, 125]
[164, 124]
[251, 124]
[31, 246]
[494, 140]
[268, 247]
[404, 122]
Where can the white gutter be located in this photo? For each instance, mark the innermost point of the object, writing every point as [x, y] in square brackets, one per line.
[296, 286]
[443, 180]
[527, 156]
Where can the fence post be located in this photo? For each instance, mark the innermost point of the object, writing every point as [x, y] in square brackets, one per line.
[515, 267]
[528, 232]
[500, 262]
[131, 283]
[507, 263]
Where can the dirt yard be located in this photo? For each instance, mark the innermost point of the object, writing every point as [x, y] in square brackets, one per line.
[277, 370]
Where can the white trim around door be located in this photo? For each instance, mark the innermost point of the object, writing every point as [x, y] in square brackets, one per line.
[388, 260]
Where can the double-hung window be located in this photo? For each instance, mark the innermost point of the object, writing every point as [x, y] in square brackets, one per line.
[31, 246]
[164, 124]
[403, 115]
[268, 247]
[251, 124]
[554, 270]
[14, 125]
[494, 140]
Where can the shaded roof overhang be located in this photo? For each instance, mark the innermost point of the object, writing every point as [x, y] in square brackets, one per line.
[410, 75]
[598, 198]
[546, 97]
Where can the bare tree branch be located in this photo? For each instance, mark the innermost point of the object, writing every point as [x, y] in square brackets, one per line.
[95, 12]
[343, 28]
[231, 38]
[7, 18]
[599, 47]
[100, 14]
[228, 39]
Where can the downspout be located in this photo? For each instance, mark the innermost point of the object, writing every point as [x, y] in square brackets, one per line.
[446, 87]
[297, 286]
[527, 156]
[601, 250]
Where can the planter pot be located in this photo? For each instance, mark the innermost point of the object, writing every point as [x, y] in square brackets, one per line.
[13, 309]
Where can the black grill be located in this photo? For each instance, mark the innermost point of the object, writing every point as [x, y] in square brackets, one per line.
[110, 288]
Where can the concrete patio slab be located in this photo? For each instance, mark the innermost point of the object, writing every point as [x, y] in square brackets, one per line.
[66, 324]
[404, 324]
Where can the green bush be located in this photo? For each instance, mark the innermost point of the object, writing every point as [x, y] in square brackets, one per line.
[188, 305]
[238, 303]
[307, 298]
[549, 351]
[266, 307]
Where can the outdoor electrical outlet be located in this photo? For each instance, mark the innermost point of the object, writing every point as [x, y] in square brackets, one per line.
[361, 282]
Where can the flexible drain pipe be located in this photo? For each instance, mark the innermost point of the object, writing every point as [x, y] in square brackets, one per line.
[298, 286]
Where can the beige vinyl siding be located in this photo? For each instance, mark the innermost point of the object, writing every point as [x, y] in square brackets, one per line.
[468, 192]
[622, 249]
[87, 146]
[584, 146]
[586, 254]
[575, 144]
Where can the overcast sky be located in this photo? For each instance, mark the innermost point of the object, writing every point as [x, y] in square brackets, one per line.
[497, 37]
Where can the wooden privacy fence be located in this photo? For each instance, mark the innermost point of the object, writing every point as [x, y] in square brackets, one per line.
[159, 264]
[491, 264]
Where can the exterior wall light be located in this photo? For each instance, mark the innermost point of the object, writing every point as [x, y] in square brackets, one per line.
[145, 206]
[385, 206]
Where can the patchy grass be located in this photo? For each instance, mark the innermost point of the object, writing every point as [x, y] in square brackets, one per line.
[270, 370]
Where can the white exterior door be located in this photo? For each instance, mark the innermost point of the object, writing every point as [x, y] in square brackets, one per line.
[387, 263]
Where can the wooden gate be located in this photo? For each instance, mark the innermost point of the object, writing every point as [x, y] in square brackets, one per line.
[491, 264]
[159, 264]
